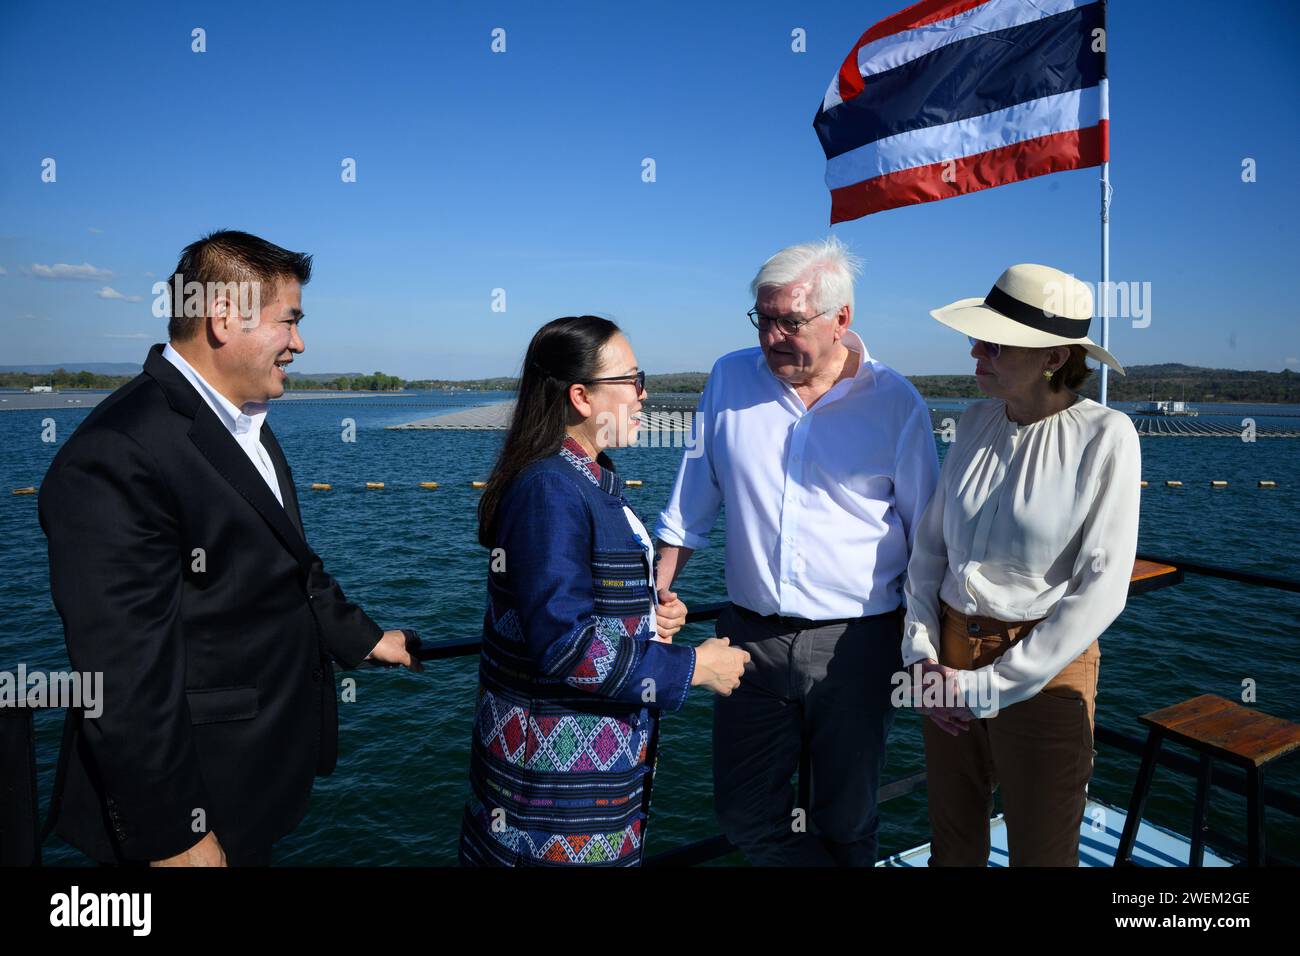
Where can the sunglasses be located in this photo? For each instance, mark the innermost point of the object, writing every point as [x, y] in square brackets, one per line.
[991, 347]
[638, 378]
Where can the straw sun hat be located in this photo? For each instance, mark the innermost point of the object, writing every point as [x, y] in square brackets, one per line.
[1031, 306]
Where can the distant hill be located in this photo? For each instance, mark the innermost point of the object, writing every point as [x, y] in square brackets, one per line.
[1163, 381]
[95, 368]
[1167, 380]
[133, 368]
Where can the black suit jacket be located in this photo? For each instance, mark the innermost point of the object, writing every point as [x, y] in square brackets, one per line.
[185, 583]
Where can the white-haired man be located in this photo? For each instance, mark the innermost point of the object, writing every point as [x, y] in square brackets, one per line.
[825, 459]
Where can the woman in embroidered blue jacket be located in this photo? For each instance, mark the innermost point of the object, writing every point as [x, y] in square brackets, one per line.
[577, 660]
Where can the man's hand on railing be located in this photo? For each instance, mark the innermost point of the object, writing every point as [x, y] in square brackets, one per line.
[718, 666]
[670, 615]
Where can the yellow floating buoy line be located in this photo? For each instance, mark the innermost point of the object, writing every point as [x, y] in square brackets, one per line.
[1214, 483]
[640, 483]
[379, 485]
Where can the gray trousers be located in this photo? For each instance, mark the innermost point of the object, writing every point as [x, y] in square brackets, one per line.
[826, 687]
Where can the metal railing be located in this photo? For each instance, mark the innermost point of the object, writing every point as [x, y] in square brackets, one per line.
[715, 847]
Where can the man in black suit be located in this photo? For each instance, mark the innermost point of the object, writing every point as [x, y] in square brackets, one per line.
[180, 568]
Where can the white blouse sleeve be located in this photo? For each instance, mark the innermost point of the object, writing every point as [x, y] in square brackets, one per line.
[1095, 595]
[925, 572]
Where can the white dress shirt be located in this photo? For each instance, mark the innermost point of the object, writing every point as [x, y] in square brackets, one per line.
[1029, 521]
[821, 504]
[244, 425]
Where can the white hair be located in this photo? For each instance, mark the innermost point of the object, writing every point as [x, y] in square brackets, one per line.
[827, 267]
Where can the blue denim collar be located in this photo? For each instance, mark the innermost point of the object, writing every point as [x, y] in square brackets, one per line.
[606, 479]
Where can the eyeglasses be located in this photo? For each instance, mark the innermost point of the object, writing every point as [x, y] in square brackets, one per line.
[786, 324]
[638, 378]
[992, 348]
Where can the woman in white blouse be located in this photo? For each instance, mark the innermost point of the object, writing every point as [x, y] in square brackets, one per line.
[1021, 561]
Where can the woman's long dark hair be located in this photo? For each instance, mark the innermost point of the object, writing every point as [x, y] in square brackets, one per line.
[563, 351]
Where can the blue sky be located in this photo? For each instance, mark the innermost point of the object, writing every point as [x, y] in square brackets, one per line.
[522, 171]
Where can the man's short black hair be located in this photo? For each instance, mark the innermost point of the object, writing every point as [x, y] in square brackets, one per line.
[230, 256]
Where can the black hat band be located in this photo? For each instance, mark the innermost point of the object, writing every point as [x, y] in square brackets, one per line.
[1034, 317]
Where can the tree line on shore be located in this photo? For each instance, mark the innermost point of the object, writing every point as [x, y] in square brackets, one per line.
[1168, 381]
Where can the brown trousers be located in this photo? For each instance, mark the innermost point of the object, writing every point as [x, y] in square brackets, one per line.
[1038, 753]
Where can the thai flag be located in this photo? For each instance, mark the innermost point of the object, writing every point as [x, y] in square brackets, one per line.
[952, 96]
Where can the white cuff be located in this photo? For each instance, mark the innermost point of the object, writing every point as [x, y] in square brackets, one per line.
[678, 538]
[917, 645]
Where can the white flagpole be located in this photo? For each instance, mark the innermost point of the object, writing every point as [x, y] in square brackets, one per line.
[1104, 291]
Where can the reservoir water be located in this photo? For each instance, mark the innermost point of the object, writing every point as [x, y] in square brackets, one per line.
[408, 555]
